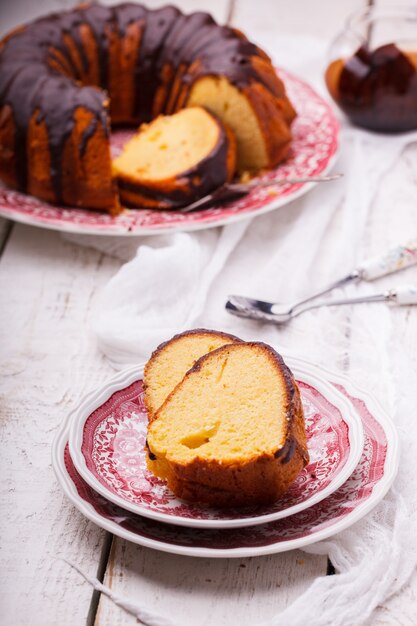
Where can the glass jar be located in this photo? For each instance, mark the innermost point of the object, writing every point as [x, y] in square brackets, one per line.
[372, 69]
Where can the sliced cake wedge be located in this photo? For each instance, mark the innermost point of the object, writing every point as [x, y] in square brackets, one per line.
[175, 160]
[232, 431]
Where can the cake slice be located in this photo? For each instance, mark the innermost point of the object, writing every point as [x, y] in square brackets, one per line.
[175, 160]
[232, 431]
[259, 120]
[171, 361]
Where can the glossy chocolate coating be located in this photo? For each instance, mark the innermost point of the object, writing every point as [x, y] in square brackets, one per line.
[30, 81]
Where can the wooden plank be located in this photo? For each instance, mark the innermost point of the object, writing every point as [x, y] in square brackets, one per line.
[48, 363]
[206, 592]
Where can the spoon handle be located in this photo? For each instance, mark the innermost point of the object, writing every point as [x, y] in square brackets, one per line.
[404, 295]
[396, 259]
[400, 296]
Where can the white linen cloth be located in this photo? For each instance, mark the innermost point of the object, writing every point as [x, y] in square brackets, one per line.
[181, 281]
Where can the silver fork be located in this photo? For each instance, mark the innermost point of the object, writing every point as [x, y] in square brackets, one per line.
[231, 191]
[394, 260]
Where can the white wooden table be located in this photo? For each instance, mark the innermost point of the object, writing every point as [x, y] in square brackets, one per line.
[49, 361]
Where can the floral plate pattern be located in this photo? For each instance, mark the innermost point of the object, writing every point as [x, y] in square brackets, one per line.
[361, 492]
[107, 444]
[313, 151]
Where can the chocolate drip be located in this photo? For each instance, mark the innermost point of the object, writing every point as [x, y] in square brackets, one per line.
[151, 455]
[30, 86]
[185, 27]
[228, 57]
[54, 99]
[126, 14]
[71, 24]
[147, 79]
[101, 20]
[87, 134]
[24, 85]
[172, 54]
[286, 452]
[59, 118]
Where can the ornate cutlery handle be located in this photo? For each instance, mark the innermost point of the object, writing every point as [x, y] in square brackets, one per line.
[404, 295]
[396, 259]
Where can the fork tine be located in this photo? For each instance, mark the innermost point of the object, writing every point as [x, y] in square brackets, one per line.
[235, 190]
[226, 192]
[198, 204]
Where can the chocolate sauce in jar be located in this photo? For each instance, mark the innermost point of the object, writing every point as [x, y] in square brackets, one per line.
[377, 89]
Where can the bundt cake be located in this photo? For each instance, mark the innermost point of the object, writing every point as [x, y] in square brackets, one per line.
[232, 431]
[175, 160]
[65, 76]
[171, 361]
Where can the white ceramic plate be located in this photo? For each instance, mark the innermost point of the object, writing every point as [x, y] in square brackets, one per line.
[361, 492]
[107, 447]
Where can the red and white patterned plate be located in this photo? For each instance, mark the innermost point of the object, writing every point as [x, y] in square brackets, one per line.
[107, 445]
[358, 495]
[313, 152]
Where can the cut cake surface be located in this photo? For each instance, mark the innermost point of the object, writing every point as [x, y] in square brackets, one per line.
[171, 361]
[232, 431]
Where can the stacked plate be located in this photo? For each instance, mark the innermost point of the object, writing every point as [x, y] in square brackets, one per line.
[99, 459]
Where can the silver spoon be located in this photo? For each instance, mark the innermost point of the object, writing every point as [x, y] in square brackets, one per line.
[396, 259]
[231, 191]
[400, 296]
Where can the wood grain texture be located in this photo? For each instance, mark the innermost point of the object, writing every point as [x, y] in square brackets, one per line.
[48, 361]
[205, 591]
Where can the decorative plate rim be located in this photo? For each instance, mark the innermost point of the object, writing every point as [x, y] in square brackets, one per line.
[378, 492]
[307, 373]
[127, 229]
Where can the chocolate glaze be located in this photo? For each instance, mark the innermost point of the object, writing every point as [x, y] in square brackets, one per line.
[185, 27]
[286, 452]
[29, 84]
[158, 23]
[100, 19]
[151, 455]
